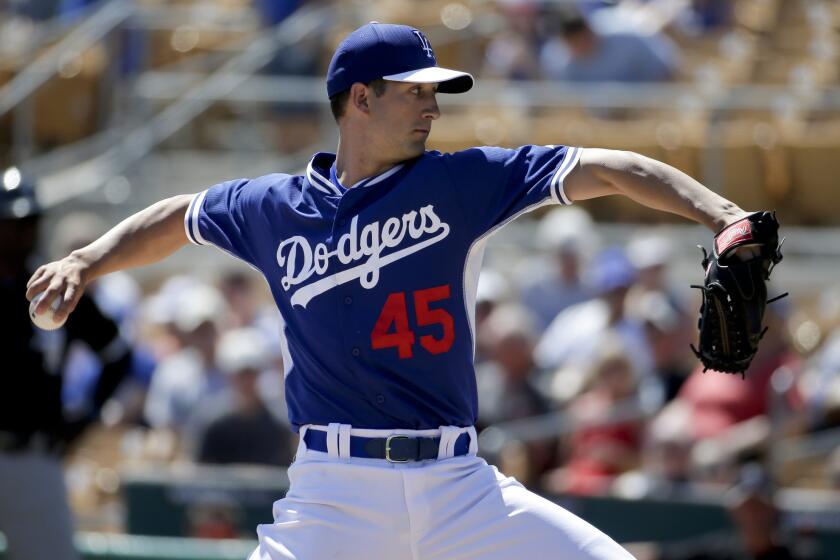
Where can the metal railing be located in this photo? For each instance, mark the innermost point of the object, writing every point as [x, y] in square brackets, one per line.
[555, 424]
[164, 85]
[89, 175]
[88, 33]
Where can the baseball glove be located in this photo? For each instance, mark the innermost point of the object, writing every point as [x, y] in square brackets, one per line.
[735, 292]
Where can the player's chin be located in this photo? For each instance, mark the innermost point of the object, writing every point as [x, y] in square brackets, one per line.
[415, 148]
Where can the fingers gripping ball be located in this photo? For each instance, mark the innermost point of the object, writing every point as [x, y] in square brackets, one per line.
[45, 320]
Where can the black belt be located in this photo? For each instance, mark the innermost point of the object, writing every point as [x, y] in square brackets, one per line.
[396, 448]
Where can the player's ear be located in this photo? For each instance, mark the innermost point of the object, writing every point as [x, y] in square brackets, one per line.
[359, 95]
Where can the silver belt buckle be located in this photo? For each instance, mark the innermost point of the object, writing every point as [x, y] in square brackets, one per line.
[388, 448]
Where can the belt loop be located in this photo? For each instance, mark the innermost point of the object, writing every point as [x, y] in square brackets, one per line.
[344, 441]
[473, 440]
[332, 439]
[448, 434]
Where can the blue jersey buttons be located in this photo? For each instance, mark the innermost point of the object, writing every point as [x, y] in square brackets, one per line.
[380, 399]
[355, 351]
[348, 300]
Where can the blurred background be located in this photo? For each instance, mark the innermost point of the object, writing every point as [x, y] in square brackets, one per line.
[588, 390]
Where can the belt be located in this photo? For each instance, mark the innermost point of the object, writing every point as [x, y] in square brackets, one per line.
[395, 448]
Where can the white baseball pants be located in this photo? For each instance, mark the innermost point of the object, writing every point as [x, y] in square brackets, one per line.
[452, 508]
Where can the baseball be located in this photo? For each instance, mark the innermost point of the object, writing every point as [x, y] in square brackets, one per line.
[45, 320]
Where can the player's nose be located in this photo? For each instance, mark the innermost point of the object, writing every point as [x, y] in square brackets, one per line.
[432, 111]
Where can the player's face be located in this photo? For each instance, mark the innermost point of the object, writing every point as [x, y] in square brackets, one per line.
[402, 118]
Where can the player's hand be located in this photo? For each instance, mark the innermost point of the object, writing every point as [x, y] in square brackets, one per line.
[65, 278]
[746, 252]
[730, 218]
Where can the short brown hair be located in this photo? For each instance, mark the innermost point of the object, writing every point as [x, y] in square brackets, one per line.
[338, 102]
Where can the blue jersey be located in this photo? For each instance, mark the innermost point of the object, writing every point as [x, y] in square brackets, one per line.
[376, 283]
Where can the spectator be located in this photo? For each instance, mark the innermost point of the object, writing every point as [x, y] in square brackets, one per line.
[568, 236]
[650, 255]
[733, 419]
[507, 387]
[294, 124]
[668, 334]
[720, 402]
[248, 309]
[607, 432]
[824, 384]
[581, 54]
[758, 535]
[666, 469]
[240, 429]
[512, 53]
[182, 380]
[575, 336]
[493, 290]
[705, 16]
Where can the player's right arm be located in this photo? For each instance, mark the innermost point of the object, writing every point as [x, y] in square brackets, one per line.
[143, 238]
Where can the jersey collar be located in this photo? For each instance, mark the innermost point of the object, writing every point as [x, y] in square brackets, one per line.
[318, 172]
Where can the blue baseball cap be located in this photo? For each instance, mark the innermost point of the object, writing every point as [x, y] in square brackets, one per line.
[612, 270]
[397, 53]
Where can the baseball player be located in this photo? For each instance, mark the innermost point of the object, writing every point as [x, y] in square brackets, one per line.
[372, 257]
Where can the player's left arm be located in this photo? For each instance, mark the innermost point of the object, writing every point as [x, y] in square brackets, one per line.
[651, 183]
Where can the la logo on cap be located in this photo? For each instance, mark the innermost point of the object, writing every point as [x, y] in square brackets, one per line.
[424, 44]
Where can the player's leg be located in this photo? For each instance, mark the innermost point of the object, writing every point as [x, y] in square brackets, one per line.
[470, 511]
[337, 509]
[34, 514]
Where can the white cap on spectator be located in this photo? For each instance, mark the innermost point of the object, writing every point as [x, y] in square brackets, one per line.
[240, 349]
[198, 305]
[162, 307]
[567, 229]
[656, 309]
[649, 250]
[492, 287]
[511, 320]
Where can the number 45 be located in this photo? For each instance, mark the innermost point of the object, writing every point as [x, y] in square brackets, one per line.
[395, 313]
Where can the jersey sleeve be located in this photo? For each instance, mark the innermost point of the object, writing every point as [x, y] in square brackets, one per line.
[497, 184]
[225, 216]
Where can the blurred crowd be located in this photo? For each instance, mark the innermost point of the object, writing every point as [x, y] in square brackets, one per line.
[207, 385]
[603, 337]
[591, 341]
[595, 41]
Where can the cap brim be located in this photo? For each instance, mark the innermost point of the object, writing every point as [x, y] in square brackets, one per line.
[451, 81]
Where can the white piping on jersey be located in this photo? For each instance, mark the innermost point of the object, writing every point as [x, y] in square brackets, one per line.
[475, 254]
[191, 219]
[472, 264]
[380, 177]
[319, 182]
[325, 185]
[569, 162]
[284, 347]
[472, 270]
[193, 232]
